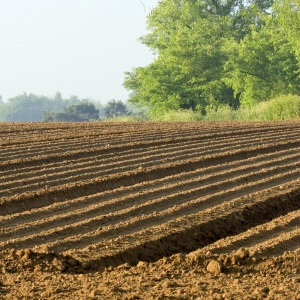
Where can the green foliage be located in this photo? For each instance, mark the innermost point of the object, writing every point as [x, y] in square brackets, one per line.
[178, 116]
[98, 105]
[196, 43]
[248, 17]
[33, 108]
[80, 112]
[280, 108]
[117, 111]
[27, 108]
[133, 118]
[221, 113]
[213, 54]
[263, 65]
[115, 108]
[289, 18]
[188, 71]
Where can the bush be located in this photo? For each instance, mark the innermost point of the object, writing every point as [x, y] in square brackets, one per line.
[279, 108]
[178, 116]
[132, 118]
[221, 113]
[284, 107]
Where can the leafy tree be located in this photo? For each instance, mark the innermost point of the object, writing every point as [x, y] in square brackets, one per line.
[190, 39]
[51, 116]
[189, 64]
[248, 17]
[73, 99]
[25, 108]
[115, 108]
[263, 65]
[83, 110]
[57, 103]
[289, 18]
[80, 112]
[33, 108]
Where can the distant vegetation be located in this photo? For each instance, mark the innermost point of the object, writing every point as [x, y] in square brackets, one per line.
[79, 112]
[19, 109]
[34, 108]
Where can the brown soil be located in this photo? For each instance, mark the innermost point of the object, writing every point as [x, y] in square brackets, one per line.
[207, 210]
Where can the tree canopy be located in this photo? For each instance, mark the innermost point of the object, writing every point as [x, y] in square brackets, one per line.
[115, 108]
[28, 107]
[80, 112]
[213, 52]
[33, 108]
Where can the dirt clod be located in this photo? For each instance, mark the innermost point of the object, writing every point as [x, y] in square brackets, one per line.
[86, 265]
[242, 253]
[214, 267]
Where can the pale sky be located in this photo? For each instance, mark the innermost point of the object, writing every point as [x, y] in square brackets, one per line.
[76, 47]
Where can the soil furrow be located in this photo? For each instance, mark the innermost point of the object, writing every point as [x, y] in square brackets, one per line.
[268, 237]
[95, 142]
[71, 191]
[197, 232]
[154, 213]
[146, 191]
[127, 163]
[56, 134]
[111, 156]
[184, 191]
[89, 173]
[69, 155]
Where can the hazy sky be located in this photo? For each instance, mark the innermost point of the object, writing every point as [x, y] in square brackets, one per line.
[77, 47]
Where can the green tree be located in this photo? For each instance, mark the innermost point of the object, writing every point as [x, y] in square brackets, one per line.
[289, 19]
[263, 65]
[115, 108]
[25, 108]
[80, 112]
[34, 108]
[190, 40]
[73, 99]
[84, 111]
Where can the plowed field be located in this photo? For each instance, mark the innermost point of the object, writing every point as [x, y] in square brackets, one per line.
[150, 210]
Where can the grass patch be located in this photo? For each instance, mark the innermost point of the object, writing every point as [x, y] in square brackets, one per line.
[135, 118]
[178, 116]
[280, 108]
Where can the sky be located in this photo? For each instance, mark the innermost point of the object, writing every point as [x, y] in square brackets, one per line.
[75, 47]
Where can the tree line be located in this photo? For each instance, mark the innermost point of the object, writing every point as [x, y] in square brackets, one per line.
[214, 53]
[34, 108]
